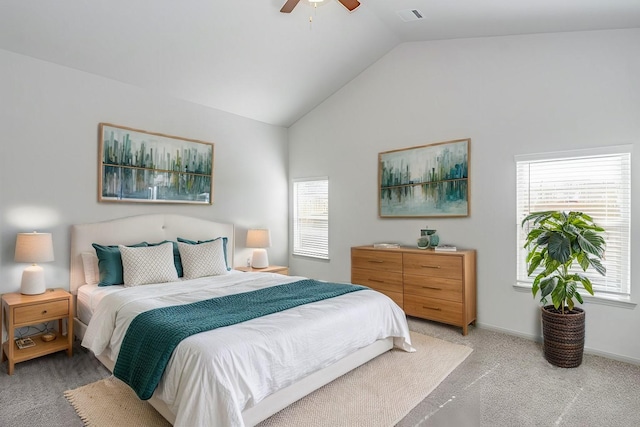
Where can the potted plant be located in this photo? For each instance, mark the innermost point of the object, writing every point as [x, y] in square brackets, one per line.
[555, 241]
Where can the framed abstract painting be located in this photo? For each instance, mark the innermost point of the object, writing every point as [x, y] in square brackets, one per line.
[425, 181]
[141, 166]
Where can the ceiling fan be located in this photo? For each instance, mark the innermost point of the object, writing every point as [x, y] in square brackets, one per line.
[351, 5]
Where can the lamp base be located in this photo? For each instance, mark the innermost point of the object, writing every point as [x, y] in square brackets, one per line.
[33, 281]
[259, 259]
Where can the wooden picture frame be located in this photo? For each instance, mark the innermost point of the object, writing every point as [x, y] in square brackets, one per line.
[427, 181]
[148, 167]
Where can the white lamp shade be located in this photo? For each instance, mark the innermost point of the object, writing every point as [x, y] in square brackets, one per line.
[258, 238]
[33, 248]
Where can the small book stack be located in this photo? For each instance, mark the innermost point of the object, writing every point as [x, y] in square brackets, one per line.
[25, 343]
[445, 248]
[386, 245]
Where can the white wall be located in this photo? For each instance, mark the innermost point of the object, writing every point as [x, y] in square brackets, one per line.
[49, 118]
[510, 95]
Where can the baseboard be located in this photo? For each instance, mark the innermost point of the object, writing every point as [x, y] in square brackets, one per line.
[538, 338]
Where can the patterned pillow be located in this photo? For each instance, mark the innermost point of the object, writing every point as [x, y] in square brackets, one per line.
[204, 259]
[152, 264]
[176, 255]
[224, 246]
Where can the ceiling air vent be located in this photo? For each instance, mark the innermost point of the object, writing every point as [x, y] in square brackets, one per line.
[408, 15]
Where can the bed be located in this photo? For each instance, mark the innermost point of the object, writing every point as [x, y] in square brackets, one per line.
[239, 374]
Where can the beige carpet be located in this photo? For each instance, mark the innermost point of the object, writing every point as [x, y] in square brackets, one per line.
[379, 393]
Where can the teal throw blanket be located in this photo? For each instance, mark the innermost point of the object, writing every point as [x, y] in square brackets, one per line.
[153, 335]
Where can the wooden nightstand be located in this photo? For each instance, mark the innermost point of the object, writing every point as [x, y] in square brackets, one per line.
[271, 269]
[23, 310]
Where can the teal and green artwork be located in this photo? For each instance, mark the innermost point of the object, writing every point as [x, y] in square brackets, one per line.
[140, 166]
[426, 181]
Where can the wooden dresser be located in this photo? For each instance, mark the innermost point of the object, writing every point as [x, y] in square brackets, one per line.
[432, 285]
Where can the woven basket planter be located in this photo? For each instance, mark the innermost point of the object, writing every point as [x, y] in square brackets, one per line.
[563, 336]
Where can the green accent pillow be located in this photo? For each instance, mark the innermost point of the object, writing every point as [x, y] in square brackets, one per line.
[224, 246]
[176, 255]
[110, 263]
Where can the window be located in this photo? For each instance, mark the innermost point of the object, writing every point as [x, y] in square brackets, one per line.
[597, 182]
[311, 218]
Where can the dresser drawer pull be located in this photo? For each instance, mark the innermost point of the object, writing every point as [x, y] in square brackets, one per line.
[431, 287]
[376, 261]
[432, 308]
[430, 266]
[44, 311]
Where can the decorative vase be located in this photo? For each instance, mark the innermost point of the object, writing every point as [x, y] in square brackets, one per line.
[428, 238]
[424, 242]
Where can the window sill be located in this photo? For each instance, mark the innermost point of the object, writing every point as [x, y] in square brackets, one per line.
[311, 257]
[610, 300]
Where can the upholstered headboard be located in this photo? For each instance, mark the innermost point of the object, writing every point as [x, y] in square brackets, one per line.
[135, 229]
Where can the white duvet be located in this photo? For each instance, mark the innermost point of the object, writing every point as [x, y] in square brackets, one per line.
[213, 376]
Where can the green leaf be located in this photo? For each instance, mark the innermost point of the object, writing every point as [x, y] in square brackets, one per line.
[583, 260]
[559, 247]
[534, 262]
[547, 286]
[591, 242]
[595, 263]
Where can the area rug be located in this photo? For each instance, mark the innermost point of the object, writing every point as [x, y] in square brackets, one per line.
[379, 393]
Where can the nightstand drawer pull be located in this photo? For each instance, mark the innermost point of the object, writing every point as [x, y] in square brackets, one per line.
[431, 287]
[376, 261]
[376, 280]
[44, 311]
[430, 266]
[432, 308]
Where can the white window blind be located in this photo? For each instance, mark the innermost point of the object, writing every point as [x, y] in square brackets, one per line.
[311, 218]
[596, 182]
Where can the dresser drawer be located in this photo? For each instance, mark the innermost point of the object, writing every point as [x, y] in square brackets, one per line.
[376, 260]
[433, 287]
[434, 309]
[41, 312]
[379, 280]
[445, 266]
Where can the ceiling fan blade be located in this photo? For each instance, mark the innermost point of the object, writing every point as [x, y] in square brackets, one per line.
[350, 4]
[289, 5]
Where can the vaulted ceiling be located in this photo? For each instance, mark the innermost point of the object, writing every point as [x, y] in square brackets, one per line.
[247, 58]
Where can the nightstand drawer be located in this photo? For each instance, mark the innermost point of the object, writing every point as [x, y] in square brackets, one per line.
[41, 312]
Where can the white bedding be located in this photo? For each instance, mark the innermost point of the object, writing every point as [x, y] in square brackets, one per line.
[89, 296]
[213, 376]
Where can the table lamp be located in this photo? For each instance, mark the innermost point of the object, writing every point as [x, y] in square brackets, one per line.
[33, 248]
[259, 238]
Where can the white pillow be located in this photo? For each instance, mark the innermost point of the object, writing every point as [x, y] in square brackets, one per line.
[148, 264]
[90, 268]
[203, 259]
